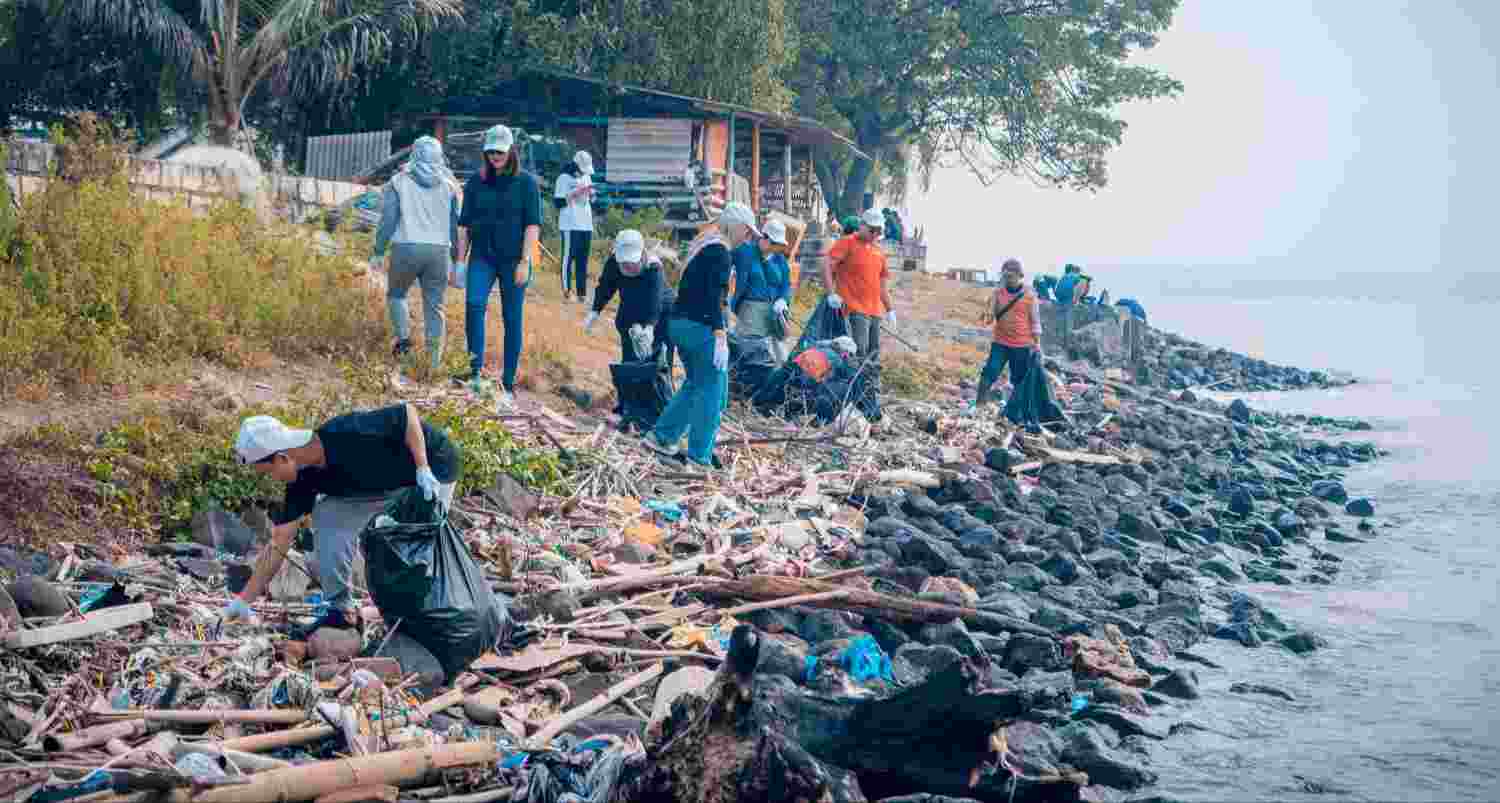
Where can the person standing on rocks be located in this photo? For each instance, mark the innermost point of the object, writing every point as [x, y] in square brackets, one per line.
[498, 230]
[1016, 330]
[575, 220]
[855, 274]
[339, 476]
[698, 332]
[419, 219]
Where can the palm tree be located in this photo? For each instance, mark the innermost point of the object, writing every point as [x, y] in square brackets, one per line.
[230, 47]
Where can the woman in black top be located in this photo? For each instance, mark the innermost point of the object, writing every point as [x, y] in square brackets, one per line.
[498, 230]
[636, 275]
[698, 333]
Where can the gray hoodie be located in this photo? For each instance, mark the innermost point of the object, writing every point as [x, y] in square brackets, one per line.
[420, 204]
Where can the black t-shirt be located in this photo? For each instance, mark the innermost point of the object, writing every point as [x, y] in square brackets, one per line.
[366, 455]
[704, 287]
[640, 295]
[497, 214]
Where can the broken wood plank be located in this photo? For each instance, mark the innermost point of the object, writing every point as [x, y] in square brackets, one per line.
[91, 625]
[534, 657]
[594, 706]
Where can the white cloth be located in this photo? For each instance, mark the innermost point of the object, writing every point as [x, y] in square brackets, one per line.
[578, 215]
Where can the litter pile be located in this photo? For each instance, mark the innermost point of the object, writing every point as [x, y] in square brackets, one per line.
[930, 606]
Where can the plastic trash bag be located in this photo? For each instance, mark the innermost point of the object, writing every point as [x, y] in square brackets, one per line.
[825, 323]
[643, 392]
[1031, 404]
[864, 660]
[750, 365]
[421, 573]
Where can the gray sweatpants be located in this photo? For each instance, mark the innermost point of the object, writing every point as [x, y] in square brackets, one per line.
[337, 522]
[865, 329]
[427, 265]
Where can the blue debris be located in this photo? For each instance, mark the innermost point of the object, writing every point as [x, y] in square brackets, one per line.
[1080, 701]
[810, 669]
[864, 660]
[669, 511]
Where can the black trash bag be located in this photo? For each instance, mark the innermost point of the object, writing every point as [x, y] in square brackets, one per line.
[750, 365]
[421, 573]
[825, 323]
[643, 392]
[1031, 404]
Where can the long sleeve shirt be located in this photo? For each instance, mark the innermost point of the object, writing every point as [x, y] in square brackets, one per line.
[497, 214]
[705, 287]
[640, 295]
[758, 277]
[413, 213]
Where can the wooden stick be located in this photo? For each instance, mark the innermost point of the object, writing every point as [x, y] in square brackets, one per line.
[452, 697]
[857, 571]
[787, 602]
[92, 625]
[96, 736]
[599, 703]
[264, 742]
[211, 717]
[312, 781]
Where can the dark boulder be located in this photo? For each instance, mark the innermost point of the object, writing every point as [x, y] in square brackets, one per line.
[1026, 577]
[1239, 411]
[1181, 683]
[1302, 642]
[1242, 632]
[1329, 491]
[1241, 501]
[1261, 688]
[1025, 652]
[1064, 568]
[1361, 507]
[1088, 747]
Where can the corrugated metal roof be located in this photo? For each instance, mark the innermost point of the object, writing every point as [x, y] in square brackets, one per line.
[344, 156]
[647, 149]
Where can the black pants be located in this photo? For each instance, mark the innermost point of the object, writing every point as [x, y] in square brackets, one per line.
[575, 262]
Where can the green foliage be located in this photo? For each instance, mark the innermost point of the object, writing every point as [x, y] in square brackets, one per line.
[489, 450]
[650, 221]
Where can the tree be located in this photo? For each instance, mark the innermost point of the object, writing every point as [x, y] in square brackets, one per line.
[1018, 87]
[229, 48]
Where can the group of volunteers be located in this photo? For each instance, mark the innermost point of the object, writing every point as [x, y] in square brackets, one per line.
[342, 474]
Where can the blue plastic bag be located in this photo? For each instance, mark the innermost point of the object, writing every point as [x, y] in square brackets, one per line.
[864, 660]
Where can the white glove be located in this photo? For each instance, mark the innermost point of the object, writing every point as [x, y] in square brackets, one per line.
[721, 353]
[890, 318]
[237, 609]
[428, 482]
[376, 263]
[779, 307]
[835, 301]
[588, 320]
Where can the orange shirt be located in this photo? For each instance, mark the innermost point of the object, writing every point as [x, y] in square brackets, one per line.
[859, 274]
[1021, 326]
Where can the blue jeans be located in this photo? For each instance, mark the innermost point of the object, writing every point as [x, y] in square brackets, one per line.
[482, 278]
[698, 406]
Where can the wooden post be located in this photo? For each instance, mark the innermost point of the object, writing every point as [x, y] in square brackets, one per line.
[786, 176]
[755, 166]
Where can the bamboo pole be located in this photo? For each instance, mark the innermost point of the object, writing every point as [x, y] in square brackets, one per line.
[312, 781]
[210, 717]
[95, 736]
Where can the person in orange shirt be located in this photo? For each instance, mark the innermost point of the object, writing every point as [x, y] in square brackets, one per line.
[1017, 331]
[855, 274]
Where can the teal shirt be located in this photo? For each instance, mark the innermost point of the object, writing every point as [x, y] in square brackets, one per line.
[760, 278]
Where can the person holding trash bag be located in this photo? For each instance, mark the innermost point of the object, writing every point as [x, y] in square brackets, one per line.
[763, 288]
[338, 477]
[855, 273]
[697, 330]
[419, 220]
[498, 230]
[637, 277]
[1016, 330]
[574, 196]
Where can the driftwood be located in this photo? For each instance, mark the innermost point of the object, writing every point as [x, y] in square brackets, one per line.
[312, 781]
[91, 625]
[594, 706]
[869, 603]
[95, 736]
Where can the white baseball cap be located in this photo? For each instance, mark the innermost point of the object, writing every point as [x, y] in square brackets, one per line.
[776, 232]
[584, 161]
[873, 217]
[629, 246]
[262, 436]
[498, 138]
[737, 212]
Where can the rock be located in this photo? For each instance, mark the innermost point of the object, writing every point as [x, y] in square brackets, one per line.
[631, 551]
[1109, 563]
[1176, 506]
[222, 531]
[35, 597]
[414, 659]
[687, 680]
[1289, 524]
[1115, 693]
[1128, 592]
[1361, 507]
[1338, 537]
[1221, 568]
[953, 634]
[1027, 577]
[821, 625]
[1060, 620]
[890, 637]
[334, 644]
[1010, 604]
[1239, 411]
[998, 459]
[950, 590]
[1260, 688]
[1242, 632]
[1124, 722]
[933, 554]
[1085, 746]
[1329, 491]
[1241, 502]
[1024, 553]
[1302, 642]
[1025, 652]
[512, 498]
[1181, 683]
[559, 603]
[915, 663]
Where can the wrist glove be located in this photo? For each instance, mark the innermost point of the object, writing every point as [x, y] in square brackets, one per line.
[588, 320]
[428, 482]
[779, 307]
[523, 273]
[835, 301]
[890, 318]
[376, 262]
[237, 609]
[721, 353]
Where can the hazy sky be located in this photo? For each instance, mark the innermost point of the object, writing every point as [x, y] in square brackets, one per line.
[1313, 137]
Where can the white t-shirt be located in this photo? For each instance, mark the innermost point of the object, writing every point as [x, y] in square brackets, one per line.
[578, 215]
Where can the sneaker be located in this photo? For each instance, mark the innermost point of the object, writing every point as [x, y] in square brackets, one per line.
[334, 617]
[505, 400]
[401, 348]
[657, 446]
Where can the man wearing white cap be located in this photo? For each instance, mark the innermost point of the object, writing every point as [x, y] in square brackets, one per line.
[697, 331]
[574, 197]
[855, 275]
[636, 276]
[763, 288]
[340, 475]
